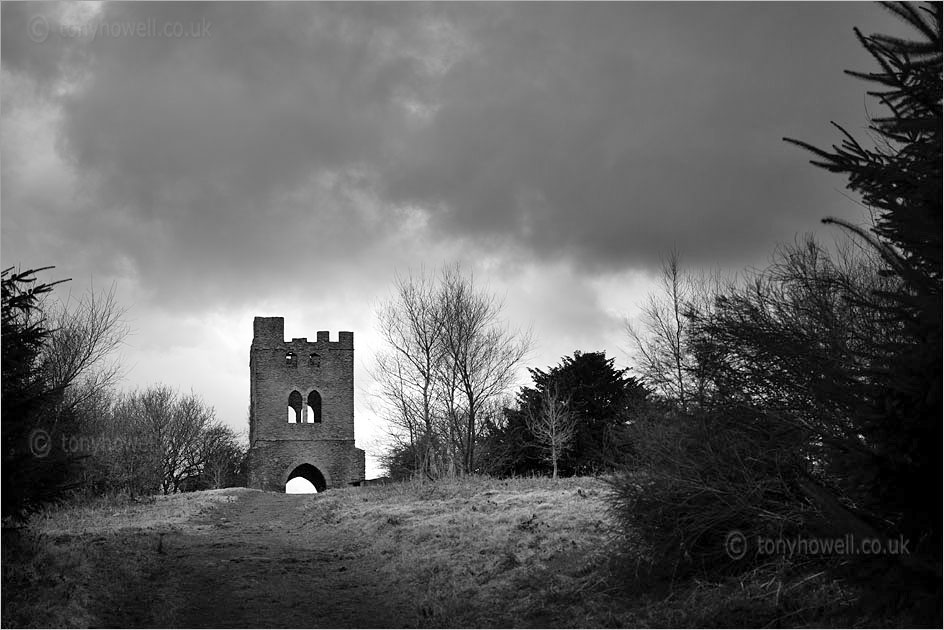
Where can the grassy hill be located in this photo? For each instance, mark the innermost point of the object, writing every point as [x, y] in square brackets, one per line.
[467, 553]
[459, 553]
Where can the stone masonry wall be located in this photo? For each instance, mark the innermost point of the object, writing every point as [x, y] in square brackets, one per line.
[278, 446]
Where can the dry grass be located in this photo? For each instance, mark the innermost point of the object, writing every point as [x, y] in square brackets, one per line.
[35, 591]
[543, 553]
[769, 596]
[484, 552]
[476, 552]
[110, 514]
[52, 569]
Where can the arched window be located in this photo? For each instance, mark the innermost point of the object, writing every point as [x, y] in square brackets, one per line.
[291, 359]
[313, 409]
[314, 360]
[295, 407]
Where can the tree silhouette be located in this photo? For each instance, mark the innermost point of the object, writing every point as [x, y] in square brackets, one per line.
[899, 178]
[34, 467]
[600, 399]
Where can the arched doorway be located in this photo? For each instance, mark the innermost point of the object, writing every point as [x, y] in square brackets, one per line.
[310, 474]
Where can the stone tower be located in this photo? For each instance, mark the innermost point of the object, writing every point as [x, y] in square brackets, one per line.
[301, 409]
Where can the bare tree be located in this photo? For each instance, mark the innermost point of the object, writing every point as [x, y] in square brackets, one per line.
[553, 426]
[661, 336]
[173, 428]
[658, 342]
[479, 347]
[221, 455]
[412, 330]
[128, 457]
[448, 356]
[84, 335]
[396, 403]
[186, 451]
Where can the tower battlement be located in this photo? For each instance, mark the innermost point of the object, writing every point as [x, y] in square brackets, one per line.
[269, 332]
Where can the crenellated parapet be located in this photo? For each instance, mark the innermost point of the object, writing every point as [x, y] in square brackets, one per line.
[269, 332]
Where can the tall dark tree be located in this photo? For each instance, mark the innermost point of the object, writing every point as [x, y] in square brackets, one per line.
[899, 177]
[35, 468]
[600, 399]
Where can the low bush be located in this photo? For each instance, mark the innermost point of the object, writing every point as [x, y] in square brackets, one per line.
[701, 490]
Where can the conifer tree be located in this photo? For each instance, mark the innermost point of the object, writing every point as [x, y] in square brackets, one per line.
[898, 176]
[34, 467]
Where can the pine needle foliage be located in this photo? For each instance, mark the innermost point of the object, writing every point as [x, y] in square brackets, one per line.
[898, 177]
[35, 469]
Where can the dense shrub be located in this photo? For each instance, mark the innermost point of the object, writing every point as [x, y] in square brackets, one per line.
[599, 397]
[694, 482]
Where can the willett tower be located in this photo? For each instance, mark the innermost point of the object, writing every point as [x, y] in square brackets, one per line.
[301, 409]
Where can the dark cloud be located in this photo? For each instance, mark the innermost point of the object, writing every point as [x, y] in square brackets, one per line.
[294, 155]
[299, 139]
[610, 132]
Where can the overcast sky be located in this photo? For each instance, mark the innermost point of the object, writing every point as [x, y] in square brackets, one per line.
[220, 161]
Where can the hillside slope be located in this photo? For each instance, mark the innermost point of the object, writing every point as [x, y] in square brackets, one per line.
[467, 553]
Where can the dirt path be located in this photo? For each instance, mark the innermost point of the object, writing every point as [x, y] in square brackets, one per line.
[263, 560]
